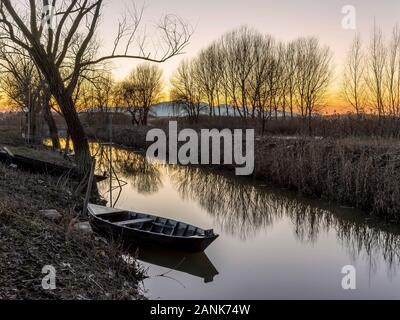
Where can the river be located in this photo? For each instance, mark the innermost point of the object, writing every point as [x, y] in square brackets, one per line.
[273, 244]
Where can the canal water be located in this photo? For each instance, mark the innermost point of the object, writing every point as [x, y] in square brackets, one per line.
[272, 245]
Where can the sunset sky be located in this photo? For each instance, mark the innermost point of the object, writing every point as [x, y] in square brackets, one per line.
[284, 19]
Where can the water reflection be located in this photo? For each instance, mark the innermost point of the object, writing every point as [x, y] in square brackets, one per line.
[195, 264]
[244, 210]
[143, 176]
[239, 208]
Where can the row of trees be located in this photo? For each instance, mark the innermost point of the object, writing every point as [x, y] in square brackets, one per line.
[256, 75]
[96, 91]
[26, 91]
[372, 75]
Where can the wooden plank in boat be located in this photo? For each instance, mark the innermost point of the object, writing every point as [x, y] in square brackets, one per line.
[135, 221]
[100, 210]
[8, 152]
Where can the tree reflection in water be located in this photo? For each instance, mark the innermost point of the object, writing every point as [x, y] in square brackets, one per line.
[236, 206]
[143, 176]
[243, 209]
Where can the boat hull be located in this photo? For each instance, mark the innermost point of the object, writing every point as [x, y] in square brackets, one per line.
[141, 238]
[38, 166]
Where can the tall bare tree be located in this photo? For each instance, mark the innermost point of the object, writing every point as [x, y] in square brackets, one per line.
[148, 81]
[376, 76]
[140, 91]
[62, 51]
[291, 69]
[185, 90]
[354, 85]
[392, 82]
[314, 75]
[23, 87]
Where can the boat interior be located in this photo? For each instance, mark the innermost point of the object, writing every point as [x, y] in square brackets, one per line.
[143, 222]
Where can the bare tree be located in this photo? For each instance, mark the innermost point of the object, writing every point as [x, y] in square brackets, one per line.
[185, 89]
[126, 95]
[313, 76]
[392, 82]
[291, 69]
[259, 88]
[141, 90]
[48, 107]
[239, 47]
[23, 87]
[354, 86]
[376, 75]
[148, 81]
[61, 52]
[207, 77]
[256, 75]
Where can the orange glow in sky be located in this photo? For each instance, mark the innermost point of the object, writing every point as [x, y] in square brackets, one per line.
[284, 19]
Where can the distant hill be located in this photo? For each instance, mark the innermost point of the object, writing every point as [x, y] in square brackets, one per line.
[173, 109]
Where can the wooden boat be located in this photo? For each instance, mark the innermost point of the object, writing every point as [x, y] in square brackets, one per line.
[145, 229]
[40, 166]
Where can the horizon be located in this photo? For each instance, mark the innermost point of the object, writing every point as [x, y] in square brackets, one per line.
[285, 21]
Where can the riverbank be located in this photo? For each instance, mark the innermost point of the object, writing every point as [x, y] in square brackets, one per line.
[361, 173]
[352, 171]
[86, 266]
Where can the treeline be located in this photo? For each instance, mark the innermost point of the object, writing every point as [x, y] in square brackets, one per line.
[256, 75]
[372, 75]
[26, 91]
[140, 90]
[244, 73]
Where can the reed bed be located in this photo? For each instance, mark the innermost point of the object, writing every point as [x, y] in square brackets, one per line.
[353, 172]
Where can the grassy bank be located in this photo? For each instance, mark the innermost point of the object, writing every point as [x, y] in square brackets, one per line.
[86, 266]
[361, 173]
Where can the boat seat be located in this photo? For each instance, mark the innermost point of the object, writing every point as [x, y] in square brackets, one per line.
[135, 221]
[104, 214]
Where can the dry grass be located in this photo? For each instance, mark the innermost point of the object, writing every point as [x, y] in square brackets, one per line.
[87, 268]
[10, 135]
[352, 172]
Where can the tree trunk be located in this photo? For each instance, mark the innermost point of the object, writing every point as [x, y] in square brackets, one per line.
[65, 101]
[146, 116]
[32, 122]
[76, 131]
[48, 117]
